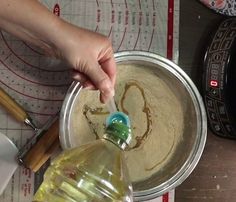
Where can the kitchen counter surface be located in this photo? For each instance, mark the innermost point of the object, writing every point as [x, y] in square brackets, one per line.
[214, 178]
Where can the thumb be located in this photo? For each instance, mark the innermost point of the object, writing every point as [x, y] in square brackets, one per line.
[101, 81]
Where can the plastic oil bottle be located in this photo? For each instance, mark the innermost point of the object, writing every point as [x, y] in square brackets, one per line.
[93, 172]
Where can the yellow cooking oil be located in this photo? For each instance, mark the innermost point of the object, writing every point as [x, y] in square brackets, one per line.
[90, 173]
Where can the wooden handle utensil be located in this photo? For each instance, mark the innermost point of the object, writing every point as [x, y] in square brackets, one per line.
[43, 149]
[15, 109]
[48, 141]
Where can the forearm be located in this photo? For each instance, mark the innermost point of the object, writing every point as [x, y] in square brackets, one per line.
[30, 21]
[89, 53]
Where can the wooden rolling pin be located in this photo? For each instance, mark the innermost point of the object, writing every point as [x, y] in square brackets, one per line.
[15, 109]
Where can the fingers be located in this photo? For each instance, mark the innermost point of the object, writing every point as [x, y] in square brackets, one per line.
[79, 77]
[84, 80]
[109, 67]
[101, 80]
[108, 64]
[96, 78]
[96, 66]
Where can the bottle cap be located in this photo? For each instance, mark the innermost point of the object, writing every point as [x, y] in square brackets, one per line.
[118, 124]
[118, 117]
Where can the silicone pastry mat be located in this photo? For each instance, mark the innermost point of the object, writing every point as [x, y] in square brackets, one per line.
[39, 83]
[225, 7]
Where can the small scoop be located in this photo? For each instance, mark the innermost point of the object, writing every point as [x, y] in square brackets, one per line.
[111, 105]
[8, 162]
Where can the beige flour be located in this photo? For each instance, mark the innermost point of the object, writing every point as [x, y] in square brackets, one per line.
[156, 119]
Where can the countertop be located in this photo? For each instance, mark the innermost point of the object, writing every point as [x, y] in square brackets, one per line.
[214, 178]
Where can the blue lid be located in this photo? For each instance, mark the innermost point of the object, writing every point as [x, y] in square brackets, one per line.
[118, 126]
[118, 117]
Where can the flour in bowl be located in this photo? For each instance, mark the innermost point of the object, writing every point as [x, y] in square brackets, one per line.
[156, 119]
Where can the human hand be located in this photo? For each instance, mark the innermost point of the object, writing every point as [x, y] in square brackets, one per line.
[91, 56]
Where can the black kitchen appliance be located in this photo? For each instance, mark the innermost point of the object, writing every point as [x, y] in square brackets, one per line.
[219, 81]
